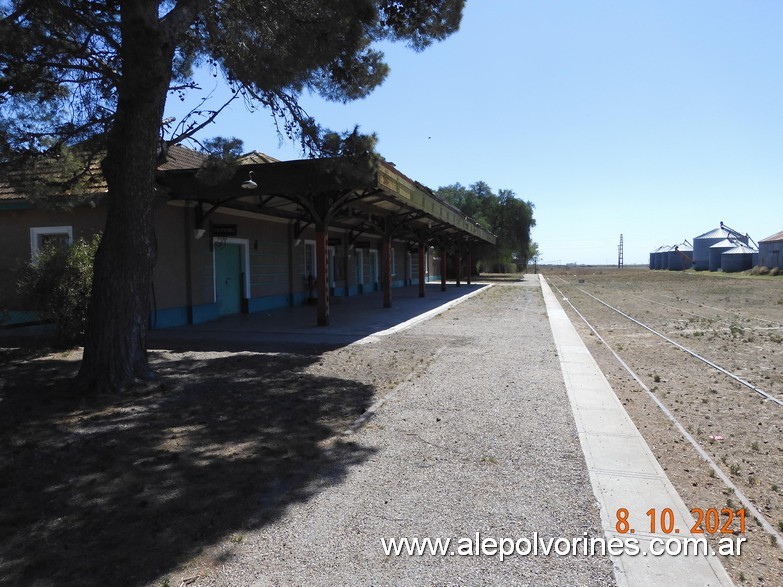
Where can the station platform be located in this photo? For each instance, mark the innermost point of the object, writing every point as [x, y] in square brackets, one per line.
[288, 329]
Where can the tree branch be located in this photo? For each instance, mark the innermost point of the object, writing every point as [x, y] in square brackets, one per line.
[192, 130]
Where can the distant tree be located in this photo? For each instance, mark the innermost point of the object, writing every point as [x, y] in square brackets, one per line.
[222, 160]
[334, 144]
[533, 254]
[98, 72]
[504, 214]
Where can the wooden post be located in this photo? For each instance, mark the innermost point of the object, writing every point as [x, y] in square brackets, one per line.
[322, 275]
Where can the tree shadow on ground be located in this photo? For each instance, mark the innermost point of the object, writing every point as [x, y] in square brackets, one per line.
[123, 489]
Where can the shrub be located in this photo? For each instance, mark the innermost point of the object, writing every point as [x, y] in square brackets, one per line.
[763, 270]
[57, 283]
[774, 271]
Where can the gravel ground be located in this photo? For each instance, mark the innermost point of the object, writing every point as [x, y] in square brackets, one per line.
[482, 440]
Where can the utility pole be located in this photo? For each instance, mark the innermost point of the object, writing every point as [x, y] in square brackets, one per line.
[620, 253]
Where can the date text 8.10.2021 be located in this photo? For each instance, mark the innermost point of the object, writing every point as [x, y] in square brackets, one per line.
[711, 520]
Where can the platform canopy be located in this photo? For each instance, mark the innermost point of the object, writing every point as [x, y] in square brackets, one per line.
[363, 195]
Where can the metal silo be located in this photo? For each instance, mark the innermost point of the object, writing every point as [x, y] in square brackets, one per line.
[681, 257]
[740, 258]
[665, 256]
[718, 249]
[659, 256]
[652, 258]
[702, 244]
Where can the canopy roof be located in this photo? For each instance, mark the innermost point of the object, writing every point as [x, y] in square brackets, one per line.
[363, 195]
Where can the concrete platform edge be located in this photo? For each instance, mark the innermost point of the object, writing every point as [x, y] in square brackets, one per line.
[420, 318]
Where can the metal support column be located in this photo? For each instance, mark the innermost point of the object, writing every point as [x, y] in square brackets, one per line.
[470, 267]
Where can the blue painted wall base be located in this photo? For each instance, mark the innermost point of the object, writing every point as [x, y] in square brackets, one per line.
[267, 303]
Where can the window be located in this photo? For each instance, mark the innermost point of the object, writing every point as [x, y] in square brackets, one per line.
[49, 235]
[309, 266]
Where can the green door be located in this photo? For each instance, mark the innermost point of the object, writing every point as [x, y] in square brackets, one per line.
[228, 279]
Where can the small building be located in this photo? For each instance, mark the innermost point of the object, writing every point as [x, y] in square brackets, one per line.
[771, 251]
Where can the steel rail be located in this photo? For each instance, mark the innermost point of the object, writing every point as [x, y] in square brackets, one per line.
[694, 354]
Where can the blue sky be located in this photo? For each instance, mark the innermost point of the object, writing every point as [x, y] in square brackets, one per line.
[655, 120]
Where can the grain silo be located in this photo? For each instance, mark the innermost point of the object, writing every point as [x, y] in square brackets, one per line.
[652, 258]
[739, 258]
[681, 257]
[718, 249]
[771, 251]
[659, 256]
[665, 256]
[702, 244]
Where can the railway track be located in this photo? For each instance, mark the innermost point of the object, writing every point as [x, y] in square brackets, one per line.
[594, 306]
[714, 365]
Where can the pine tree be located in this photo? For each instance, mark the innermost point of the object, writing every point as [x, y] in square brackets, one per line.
[98, 73]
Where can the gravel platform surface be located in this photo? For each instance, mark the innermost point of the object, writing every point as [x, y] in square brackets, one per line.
[482, 441]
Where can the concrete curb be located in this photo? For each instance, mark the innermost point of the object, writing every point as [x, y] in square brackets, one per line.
[420, 318]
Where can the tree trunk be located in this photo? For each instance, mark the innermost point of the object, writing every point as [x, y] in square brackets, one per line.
[115, 353]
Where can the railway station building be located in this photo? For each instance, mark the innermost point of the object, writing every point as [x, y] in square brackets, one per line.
[275, 234]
